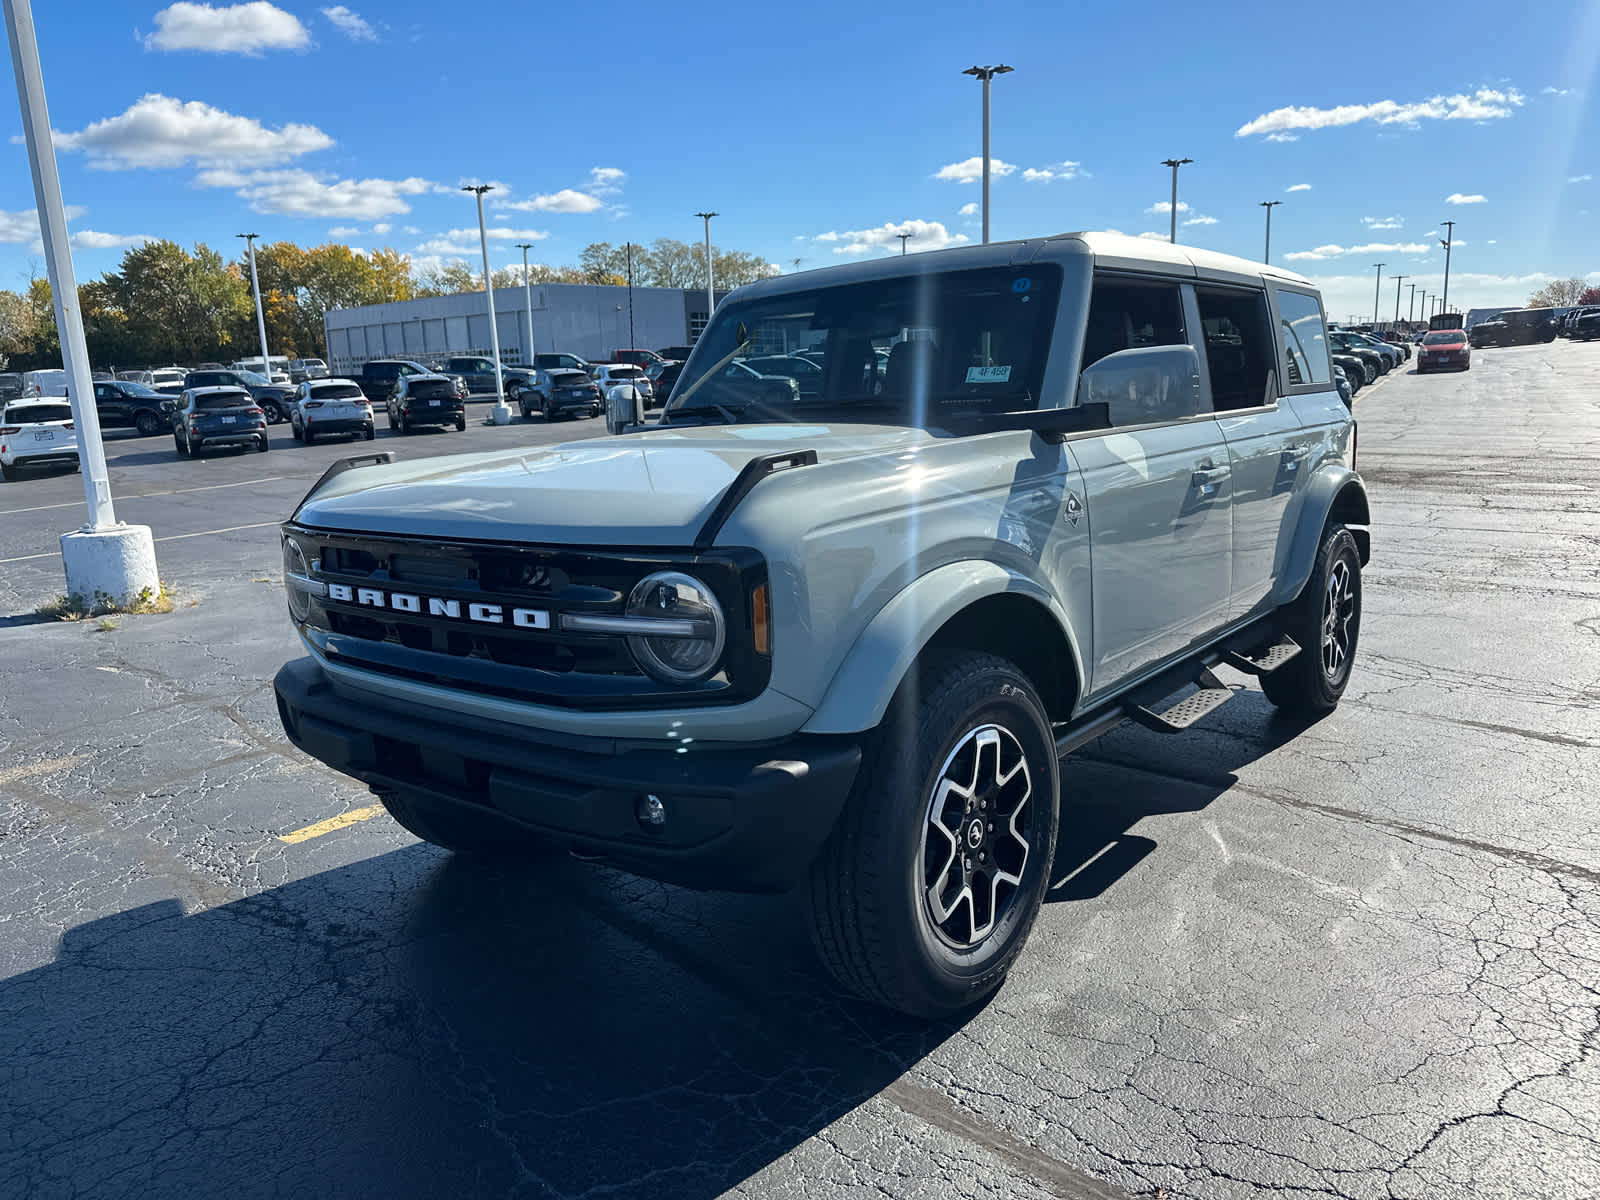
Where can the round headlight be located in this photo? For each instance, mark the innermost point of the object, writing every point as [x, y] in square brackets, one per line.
[692, 647]
[294, 564]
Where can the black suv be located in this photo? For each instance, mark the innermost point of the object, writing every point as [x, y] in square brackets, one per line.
[123, 403]
[1518, 327]
[273, 399]
[425, 400]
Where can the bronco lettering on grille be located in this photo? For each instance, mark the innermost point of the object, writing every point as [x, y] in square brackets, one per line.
[410, 602]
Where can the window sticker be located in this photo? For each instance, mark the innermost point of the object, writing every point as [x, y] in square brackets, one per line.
[989, 374]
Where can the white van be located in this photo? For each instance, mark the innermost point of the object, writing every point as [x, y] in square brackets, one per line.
[44, 383]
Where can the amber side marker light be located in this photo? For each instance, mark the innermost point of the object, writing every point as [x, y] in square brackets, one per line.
[758, 615]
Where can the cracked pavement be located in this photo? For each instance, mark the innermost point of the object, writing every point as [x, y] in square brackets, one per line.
[1356, 960]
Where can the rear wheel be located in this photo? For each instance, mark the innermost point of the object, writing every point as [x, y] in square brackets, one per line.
[461, 424]
[10, 473]
[1326, 620]
[369, 433]
[265, 444]
[148, 424]
[405, 424]
[927, 888]
[549, 411]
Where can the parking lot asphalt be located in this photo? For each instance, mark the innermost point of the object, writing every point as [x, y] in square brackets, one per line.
[1359, 959]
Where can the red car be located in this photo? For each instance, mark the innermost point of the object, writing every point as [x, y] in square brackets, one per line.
[1444, 348]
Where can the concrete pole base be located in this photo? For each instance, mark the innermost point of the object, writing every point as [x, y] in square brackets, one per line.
[111, 568]
[501, 414]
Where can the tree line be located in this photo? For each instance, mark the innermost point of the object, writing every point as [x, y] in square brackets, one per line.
[1564, 293]
[165, 304]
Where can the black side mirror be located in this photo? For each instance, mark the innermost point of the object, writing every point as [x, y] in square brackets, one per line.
[1144, 385]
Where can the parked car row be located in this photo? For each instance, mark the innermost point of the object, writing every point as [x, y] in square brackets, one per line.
[1516, 327]
[1581, 323]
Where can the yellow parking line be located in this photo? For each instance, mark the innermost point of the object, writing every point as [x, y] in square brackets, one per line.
[42, 767]
[321, 827]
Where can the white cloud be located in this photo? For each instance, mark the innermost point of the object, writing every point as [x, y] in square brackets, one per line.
[353, 25]
[1555, 91]
[1383, 222]
[1060, 170]
[299, 193]
[1283, 137]
[236, 29]
[1482, 105]
[1298, 187]
[1493, 242]
[411, 229]
[1458, 198]
[382, 227]
[89, 239]
[158, 131]
[606, 181]
[465, 241]
[442, 247]
[18, 228]
[925, 235]
[1152, 235]
[971, 170]
[1335, 251]
[567, 200]
[969, 209]
[1579, 178]
[1162, 208]
[1199, 220]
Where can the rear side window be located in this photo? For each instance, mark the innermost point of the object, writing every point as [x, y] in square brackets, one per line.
[1125, 314]
[1240, 349]
[206, 379]
[1305, 342]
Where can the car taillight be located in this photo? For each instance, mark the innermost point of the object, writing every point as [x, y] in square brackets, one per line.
[11, 429]
[255, 412]
[68, 425]
[312, 404]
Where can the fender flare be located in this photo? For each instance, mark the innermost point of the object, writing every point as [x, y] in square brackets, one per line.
[1335, 492]
[859, 693]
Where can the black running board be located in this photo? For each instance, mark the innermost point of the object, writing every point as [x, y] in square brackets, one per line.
[1263, 662]
[1212, 695]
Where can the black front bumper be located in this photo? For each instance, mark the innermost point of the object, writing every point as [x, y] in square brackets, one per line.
[738, 818]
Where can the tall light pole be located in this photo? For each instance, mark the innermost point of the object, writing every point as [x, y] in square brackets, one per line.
[1411, 305]
[527, 295]
[1449, 237]
[986, 74]
[1269, 205]
[904, 237]
[1397, 280]
[711, 299]
[502, 410]
[1375, 288]
[1175, 163]
[628, 246]
[102, 556]
[255, 286]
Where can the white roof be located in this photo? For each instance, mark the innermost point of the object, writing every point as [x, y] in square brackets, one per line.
[1110, 244]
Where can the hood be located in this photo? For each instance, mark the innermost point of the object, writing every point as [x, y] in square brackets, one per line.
[641, 490]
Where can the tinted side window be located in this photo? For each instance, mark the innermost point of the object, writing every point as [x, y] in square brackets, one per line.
[1305, 342]
[1240, 349]
[1126, 313]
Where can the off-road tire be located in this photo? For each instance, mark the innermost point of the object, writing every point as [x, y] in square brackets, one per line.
[272, 412]
[460, 833]
[870, 919]
[1306, 686]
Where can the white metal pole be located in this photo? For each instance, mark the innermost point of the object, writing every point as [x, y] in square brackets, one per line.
[527, 295]
[502, 411]
[58, 261]
[711, 299]
[261, 320]
[987, 79]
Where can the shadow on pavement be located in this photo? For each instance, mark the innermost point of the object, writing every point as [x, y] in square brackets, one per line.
[1102, 800]
[408, 1025]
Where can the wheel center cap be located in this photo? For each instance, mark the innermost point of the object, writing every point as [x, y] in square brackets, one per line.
[975, 834]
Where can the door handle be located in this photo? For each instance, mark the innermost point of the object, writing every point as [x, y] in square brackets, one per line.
[1209, 477]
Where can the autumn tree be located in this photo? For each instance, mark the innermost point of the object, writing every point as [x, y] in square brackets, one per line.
[1559, 293]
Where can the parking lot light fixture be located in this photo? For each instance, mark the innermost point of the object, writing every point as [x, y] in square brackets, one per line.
[1175, 163]
[1446, 241]
[527, 295]
[904, 238]
[986, 74]
[102, 556]
[1269, 205]
[502, 410]
[711, 298]
[255, 286]
[1375, 289]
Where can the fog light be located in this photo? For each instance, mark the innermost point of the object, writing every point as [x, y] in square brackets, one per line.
[652, 813]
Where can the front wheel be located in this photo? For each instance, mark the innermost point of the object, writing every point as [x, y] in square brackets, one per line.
[927, 888]
[10, 473]
[1326, 620]
[272, 412]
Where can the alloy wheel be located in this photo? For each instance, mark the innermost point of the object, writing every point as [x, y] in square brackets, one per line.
[976, 837]
[1338, 612]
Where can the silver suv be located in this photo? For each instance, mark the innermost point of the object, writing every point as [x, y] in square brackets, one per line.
[836, 626]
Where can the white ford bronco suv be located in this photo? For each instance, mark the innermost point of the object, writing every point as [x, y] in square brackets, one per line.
[836, 627]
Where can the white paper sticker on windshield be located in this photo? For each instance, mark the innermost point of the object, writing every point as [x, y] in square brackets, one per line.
[988, 374]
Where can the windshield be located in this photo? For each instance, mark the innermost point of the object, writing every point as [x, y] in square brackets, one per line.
[1444, 339]
[914, 350]
[138, 389]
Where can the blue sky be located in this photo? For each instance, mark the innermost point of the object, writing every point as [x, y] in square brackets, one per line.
[820, 131]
